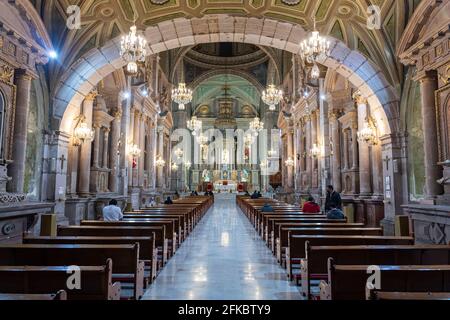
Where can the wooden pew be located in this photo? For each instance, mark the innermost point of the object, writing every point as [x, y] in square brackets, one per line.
[296, 246]
[90, 231]
[278, 225]
[147, 249]
[127, 267]
[349, 282]
[267, 218]
[409, 296]
[95, 281]
[188, 215]
[60, 295]
[169, 224]
[314, 265]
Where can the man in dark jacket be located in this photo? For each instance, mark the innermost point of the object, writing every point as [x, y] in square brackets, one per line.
[332, 197]
[267, 208]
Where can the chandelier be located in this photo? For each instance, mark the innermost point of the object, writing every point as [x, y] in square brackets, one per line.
[134, 151]
[133, 50]
[82, 132]
[368, 133]
[194, 125]
[272, 97]
[256, 126]
[174, 167]
[314, 49]
[160, 163]
[179, 153]
[289, 162]
[182, 95]
[315, 151]
[202, 140]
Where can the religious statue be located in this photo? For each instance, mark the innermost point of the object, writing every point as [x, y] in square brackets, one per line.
[244, 176]
[205, 176]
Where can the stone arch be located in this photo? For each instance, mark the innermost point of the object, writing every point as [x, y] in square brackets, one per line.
[84, 74]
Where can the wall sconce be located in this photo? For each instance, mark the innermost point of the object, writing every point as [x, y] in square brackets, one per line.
[160, 163]
[82, 132]
[289, 162]
[315, 151]
[174, 167]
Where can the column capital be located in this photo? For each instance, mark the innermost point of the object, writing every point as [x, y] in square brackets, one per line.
[117, 114]
[359, 98]
[428, 76]
[91, 95]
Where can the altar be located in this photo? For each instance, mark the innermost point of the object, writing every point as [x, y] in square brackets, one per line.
[225, 186]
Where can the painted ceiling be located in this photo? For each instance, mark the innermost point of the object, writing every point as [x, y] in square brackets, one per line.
[343, 19]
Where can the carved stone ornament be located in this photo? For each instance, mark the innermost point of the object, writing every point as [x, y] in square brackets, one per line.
[159, 1]
[291, 2]
[12, 197]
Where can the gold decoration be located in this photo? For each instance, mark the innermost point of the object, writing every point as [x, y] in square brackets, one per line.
[446, 76]
[6, 73]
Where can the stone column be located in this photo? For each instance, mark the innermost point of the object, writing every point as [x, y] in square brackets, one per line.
[324, 137]
[96, 146]
[290, 153]
[355, 154]
[314, 141]
[433, 172]
[160, 170]
[16, 170]
[125, 132]
[309, 159]
[85, 149]
[105, 147]
[301, 152]
[136, 141]
[377, 170]
[336, 157]
[365, 186]
[130, 141]
[113, 158]
[142, 147]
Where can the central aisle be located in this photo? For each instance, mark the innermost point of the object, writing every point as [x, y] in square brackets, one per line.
[223, 259]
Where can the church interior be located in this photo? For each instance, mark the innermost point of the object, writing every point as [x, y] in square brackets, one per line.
[211, 125]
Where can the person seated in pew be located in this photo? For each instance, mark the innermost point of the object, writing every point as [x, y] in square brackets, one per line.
[254, 195]
[246, 193]
[152, 202]
[335, 213]
[267, 208]
[112, 212]
[259, 194]
[332, 197]
[168, 201]
[311, 206]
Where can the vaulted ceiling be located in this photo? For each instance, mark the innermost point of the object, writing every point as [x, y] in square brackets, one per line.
[342, 19]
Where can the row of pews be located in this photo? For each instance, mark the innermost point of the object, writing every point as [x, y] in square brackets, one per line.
[336, 260]
[99, 260]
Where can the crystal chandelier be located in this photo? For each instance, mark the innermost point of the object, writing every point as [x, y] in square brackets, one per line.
[82, 132]
[314, 49]
[202, 140]
[182, 95]
[179, 153]
[134, 151]
[194, 125]
[256, 126]
[160, 163]
[272, 97]
[133, 50]
[368, 133]
[289, 162]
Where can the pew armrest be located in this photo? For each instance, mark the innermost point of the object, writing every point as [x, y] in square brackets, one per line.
[139, 280]
[325, 290]
[304, 290]
[115, 290]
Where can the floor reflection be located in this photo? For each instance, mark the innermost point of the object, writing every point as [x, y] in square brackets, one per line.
[223, 259]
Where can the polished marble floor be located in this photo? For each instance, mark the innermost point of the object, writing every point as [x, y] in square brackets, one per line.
[223, 259]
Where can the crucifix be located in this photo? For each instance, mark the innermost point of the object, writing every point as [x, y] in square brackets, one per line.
[387, 160]
[62, 159]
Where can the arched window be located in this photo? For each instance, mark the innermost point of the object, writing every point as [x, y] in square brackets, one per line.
[2, 123]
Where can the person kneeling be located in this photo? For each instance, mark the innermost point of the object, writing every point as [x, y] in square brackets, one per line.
[335, 213]
[112, 212]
